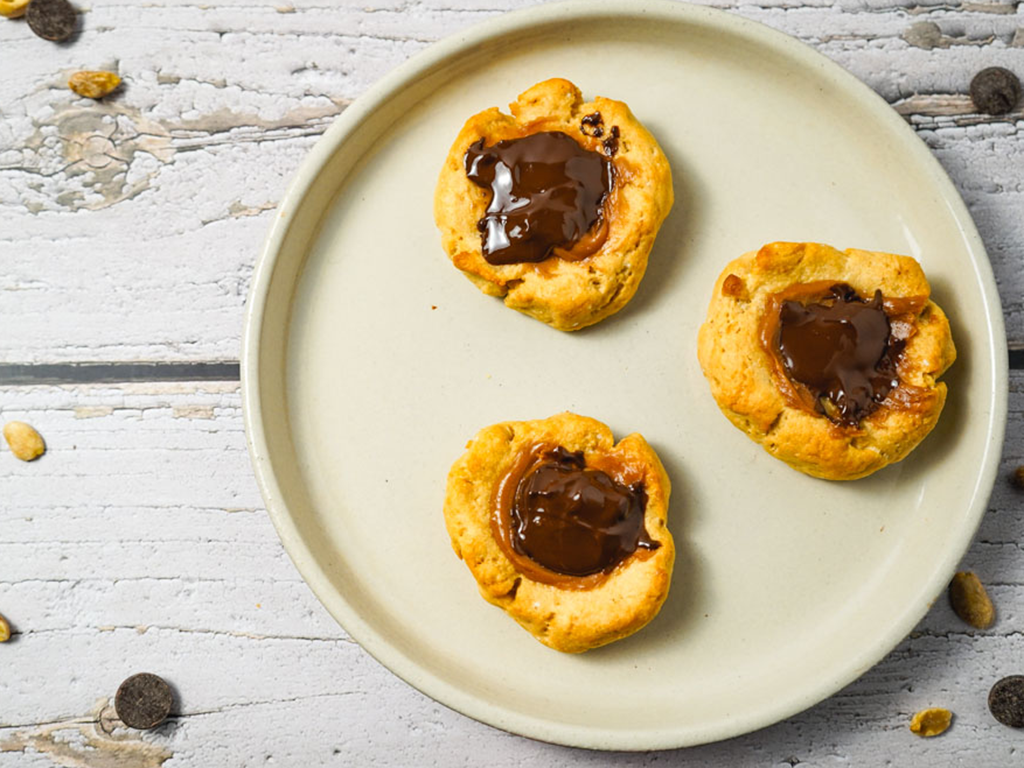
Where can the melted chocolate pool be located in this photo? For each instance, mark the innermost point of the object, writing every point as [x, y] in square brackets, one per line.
[576, 520]
[547, 193]
[842, 350]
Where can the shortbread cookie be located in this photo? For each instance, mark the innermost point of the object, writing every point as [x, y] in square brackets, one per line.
[563, 528]
[830, 359]
[556, 206]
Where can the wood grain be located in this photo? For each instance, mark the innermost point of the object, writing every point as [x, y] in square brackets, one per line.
[128, 232]
[139, 542]
[221, 103]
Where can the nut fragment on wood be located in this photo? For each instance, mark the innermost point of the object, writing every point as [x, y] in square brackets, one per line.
[1017, 478]
[26, 444]
[12, 9]
[5, 630]
[970, 601]
[931, 721]
[93, 84]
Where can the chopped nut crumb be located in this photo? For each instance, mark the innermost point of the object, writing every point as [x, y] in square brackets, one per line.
[931, 721]
[5, 630]
[970, 601]
[12, 9]
[26, 444]
[93, 85]
[1017, 478]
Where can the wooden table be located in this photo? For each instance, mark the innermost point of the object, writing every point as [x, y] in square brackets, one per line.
[128, 232]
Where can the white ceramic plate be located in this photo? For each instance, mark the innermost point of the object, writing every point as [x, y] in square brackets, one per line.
[359, 394]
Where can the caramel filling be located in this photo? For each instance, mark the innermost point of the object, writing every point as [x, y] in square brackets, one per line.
[838, 355]
[549, 197]
[564, 521]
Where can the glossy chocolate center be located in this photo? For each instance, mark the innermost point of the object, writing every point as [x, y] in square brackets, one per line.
[840, 348]
[547, 192]
[574, 520]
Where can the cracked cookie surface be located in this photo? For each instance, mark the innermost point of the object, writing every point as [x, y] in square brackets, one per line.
[577, 614]
[754, 393]
[566, 293]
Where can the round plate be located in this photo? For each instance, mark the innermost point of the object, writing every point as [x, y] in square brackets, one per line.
[369, 361]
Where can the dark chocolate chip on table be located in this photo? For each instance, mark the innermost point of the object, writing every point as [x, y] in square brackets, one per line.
[143, 701]
[52, 19]
[1006, 701]
[995, 90]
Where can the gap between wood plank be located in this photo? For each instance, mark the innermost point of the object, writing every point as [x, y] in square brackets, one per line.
[12, 374]
[17, 374]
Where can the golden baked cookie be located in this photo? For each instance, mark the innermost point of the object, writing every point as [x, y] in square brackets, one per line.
[829, 359]
[556, 206]
[563, 528]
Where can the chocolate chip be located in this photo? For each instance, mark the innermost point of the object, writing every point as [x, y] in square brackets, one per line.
[1006, 701]
[592, 125]
[611, 144]
[52, 19]
[995, 90]
[143, 701]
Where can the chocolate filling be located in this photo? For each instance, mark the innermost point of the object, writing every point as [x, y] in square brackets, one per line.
[841, 348]
[563, 520]
[547, 192]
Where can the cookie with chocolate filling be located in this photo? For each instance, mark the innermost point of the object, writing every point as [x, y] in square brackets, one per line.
[563, 528]
[556, 206]
[829, 359]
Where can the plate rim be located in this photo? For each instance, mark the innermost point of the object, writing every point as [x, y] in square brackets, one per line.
[349, 122]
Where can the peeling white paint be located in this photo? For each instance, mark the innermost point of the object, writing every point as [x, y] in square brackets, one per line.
[193, 412]
[97, 740]
[92, 411]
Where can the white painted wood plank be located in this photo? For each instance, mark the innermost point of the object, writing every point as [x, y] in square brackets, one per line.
[128, 229]
[139, 543]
